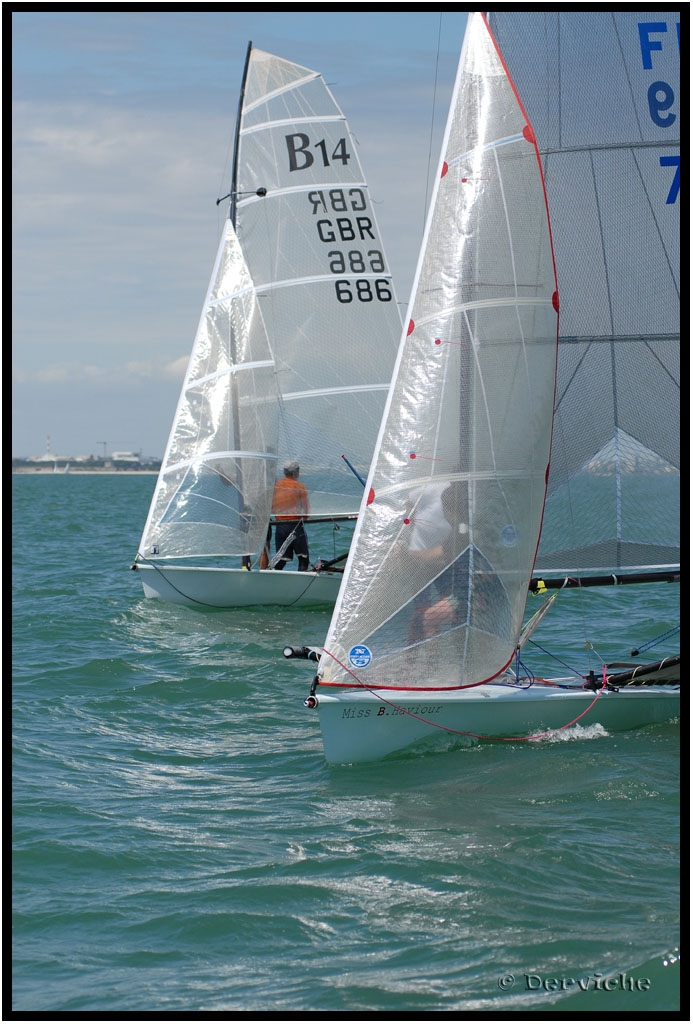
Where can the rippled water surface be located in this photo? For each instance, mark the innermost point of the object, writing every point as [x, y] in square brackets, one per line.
[180, 844]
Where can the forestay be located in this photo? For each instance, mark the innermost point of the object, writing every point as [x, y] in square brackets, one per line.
[458, 483]
[602, 91]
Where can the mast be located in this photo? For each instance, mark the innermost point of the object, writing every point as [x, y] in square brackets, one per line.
[234, 171]
[236, 440]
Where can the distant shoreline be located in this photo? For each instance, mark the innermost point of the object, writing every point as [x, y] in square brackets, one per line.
[45, 471]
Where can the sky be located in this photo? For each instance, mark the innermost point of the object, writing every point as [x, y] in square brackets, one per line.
[122, 139]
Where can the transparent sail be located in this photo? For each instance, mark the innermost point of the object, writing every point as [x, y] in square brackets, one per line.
[324, 286]
[602, 92]
[297, 338]
[214, 491]
[436, 583]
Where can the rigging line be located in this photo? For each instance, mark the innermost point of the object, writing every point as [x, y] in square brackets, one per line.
[433, 108]
[221, 607]
[606, 147]
[310, 583]
[554, 657]
[634, 106]
[657, 640]
[194, 600]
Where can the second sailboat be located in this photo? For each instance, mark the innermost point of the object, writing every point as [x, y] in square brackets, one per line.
[291, 360]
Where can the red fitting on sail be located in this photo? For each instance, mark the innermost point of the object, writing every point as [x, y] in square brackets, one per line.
[444, 169]
[416, 455]
[554, 301]
[528, 133]
[411, 327]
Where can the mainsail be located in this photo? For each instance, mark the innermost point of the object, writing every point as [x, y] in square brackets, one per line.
[458, 483]
[296, 342]
[601, 89]
[429, 615]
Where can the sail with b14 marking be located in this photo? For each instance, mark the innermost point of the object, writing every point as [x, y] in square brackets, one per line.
[294, 350]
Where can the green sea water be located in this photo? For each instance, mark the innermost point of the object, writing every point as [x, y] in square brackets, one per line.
[180, 845]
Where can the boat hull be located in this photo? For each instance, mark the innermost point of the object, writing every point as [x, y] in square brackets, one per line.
[362, 725]
[237, 588]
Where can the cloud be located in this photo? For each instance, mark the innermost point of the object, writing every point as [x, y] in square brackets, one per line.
[122, 134]
[127, 374]
[173, 371]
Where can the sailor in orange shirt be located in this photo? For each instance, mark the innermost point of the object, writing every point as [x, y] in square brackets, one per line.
[289, 504]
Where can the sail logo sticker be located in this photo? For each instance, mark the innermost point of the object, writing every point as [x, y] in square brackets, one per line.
[360, 656]
[508, 536]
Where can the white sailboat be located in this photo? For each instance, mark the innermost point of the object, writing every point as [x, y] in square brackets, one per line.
[427, 632]
[291, 360]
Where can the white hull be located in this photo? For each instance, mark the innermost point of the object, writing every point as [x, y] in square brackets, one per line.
[362, 725]
[237, 588]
